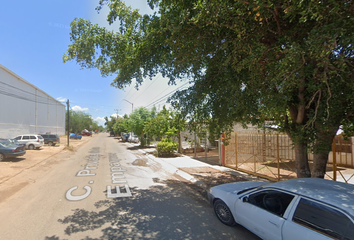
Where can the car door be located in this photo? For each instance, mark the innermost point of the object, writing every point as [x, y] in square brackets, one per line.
[262, 212]
[311, 219]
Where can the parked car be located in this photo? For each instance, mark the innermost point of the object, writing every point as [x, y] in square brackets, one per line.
[302, 208]
[85, 133]
[31, 141]
[51, 139]
[125, 137]
[75, 136]
[14, 141]
[8, 149]
[111, 134]
[133, 138]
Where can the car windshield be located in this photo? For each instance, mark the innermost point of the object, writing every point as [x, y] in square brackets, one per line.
[7, 144]
[14, 141]
[247, 189]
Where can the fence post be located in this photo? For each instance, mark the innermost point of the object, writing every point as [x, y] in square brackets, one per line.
[334, 160]
[223, 149]
[236, 153]
[278, 163]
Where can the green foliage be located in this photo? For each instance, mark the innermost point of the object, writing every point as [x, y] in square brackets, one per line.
[166, 146]
[137, 121]
[120, 125]
[79, 121]
[290, 62]
[167, 122]
[110, 123]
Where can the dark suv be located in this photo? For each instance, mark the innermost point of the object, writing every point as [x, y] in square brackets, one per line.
[51, 139]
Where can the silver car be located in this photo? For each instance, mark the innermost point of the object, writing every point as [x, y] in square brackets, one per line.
[305, 208]
[31, 141]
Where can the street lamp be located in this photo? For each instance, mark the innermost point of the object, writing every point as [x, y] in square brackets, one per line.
[129, 102]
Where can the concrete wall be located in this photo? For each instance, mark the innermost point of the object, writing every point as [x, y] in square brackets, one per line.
[27, 109]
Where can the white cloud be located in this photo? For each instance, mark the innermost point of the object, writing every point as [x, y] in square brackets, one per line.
[115, 115]
[78, 108]
[100, 120]
[61, 99]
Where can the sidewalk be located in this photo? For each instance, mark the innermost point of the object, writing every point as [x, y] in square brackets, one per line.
[199, 172]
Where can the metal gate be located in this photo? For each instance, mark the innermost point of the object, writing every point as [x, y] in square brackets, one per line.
[272, 156]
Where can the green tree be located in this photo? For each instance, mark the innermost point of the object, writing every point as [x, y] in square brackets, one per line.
[137, 121]
[80, 121]
[167, 122]
[110, 123]
[250, 61]
[120, 125]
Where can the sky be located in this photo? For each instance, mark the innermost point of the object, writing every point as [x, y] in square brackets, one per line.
[34, 37]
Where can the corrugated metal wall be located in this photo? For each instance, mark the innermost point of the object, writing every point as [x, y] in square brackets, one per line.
[24, 108]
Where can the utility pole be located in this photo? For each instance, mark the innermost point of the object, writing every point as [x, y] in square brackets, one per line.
[117, 112]
[68, 105]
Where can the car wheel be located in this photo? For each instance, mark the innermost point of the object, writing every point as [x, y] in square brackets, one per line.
[2, 157]
[50, 143]
[31, 147]
[223, 213]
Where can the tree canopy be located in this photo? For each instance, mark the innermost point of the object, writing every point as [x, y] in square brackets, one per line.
[290, 62]
[79, 121]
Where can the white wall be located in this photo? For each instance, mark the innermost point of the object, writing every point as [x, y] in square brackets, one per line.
[24, 108]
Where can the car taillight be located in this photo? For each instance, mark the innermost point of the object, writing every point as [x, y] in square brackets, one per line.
[37, 140]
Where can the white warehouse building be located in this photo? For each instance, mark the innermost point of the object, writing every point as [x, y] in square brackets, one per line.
[27, 109]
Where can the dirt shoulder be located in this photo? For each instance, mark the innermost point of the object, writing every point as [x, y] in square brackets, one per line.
[12, 170]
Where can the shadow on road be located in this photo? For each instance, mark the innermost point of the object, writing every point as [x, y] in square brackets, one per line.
[164, 211]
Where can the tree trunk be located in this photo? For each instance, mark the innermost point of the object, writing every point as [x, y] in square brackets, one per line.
[301, 161]
[179, 142]
[319, 165]
[321, 151]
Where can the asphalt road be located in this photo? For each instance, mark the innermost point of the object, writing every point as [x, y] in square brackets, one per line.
[105, 190]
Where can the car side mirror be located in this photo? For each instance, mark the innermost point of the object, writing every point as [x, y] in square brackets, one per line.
[245, 199]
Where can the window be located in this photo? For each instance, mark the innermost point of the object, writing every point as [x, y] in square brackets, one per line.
[273, 201]
[324, 219]
[33, 137]
[18, 138]
[25, 137]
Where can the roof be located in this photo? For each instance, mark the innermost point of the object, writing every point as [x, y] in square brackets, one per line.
[335, 193]
[28, 83]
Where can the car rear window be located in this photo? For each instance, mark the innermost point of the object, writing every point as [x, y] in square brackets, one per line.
[40, 137]
[324, 219]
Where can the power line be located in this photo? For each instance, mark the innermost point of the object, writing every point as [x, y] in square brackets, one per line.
[165, 96]
[147, 87]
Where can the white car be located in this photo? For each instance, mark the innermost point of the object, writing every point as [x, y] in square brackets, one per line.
[31, 141]
[133, 138]
[304, 208]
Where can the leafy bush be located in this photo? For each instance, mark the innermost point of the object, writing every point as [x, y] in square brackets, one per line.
[166, 146]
